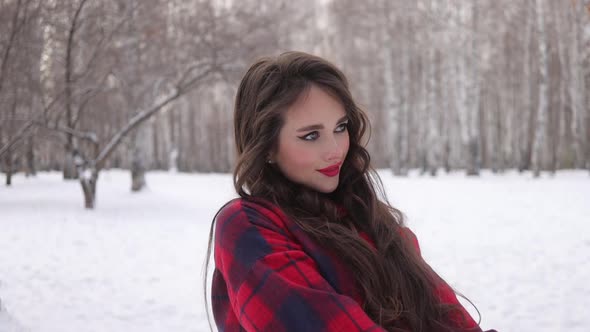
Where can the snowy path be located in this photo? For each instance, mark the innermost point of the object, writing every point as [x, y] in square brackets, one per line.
[517, 247]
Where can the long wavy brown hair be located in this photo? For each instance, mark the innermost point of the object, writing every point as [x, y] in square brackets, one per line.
[398, 286]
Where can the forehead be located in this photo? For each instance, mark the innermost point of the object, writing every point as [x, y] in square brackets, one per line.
[314, 106]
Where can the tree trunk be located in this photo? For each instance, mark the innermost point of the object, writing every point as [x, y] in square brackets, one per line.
[8, 167]
[445, 86]
[138, 159]
[173, 160]
[88, 179]
[390, 107]
[433, 135]
[423, 116]
[560, 145]
[540, 126]
[70, 171]
[30, 169]
[527, 113]
[140, 137]
[462, 105]
[585, 85]
[193, 140]
[404, 102]
[137, 175]
[578, 89]
[473, 95]
[173, 147]
[157, 164]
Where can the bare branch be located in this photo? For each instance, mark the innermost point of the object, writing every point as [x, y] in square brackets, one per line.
[13, 32]
[101, 45]
[133, 123]
[68, 72]
[88, 95]
[24, 129]
[84, 135]
[184, 86]
[189, 70]
[20, 134]
[180, 89]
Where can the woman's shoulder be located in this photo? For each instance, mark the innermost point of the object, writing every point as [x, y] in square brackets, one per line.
[250, 211]
[407, 233]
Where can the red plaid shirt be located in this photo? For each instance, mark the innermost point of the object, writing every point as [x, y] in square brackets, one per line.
[271, 276]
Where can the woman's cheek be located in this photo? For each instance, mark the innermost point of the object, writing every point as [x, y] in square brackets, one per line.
[303, 155]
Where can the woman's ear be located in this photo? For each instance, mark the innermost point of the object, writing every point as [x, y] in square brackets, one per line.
[271, 157]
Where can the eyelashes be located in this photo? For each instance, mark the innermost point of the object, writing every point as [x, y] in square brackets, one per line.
[314, 135]
[342, 127]
[311, 136]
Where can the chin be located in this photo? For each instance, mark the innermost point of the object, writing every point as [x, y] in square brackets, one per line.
[327, 189]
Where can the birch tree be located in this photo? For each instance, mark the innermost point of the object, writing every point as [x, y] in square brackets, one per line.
[540, 124]
[578, 82]
[391, 104]
[433, 110]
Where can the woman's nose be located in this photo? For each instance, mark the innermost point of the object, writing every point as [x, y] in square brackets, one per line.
[334, 149]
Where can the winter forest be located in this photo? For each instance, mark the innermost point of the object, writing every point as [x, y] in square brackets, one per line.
[143, 85]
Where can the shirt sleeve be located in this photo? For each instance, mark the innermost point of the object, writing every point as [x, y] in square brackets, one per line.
[273, 285]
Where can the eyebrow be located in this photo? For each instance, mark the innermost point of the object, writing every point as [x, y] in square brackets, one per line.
[319, 126]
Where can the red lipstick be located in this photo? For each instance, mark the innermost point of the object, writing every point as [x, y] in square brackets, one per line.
[331, 170]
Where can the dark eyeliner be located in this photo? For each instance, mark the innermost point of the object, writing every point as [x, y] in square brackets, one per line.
[344, 125]
[308, 134]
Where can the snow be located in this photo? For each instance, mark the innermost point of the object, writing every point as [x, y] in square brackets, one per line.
[518, 247]
[87, 174]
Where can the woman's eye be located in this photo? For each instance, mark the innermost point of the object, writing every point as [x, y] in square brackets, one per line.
[311, 136]
[342, 127]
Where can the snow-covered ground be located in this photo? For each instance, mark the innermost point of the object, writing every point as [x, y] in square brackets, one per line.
[518, 247]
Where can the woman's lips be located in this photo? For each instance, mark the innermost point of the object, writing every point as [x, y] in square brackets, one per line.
[331, 171]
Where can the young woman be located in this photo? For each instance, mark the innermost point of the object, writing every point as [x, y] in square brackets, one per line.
[311, 244]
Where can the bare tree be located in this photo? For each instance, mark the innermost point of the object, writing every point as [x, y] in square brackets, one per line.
[89, 167]
[540, 125]
[577, 88]
[445, 84]
[17, 56]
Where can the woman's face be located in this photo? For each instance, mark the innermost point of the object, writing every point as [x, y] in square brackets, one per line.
[313, 141]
